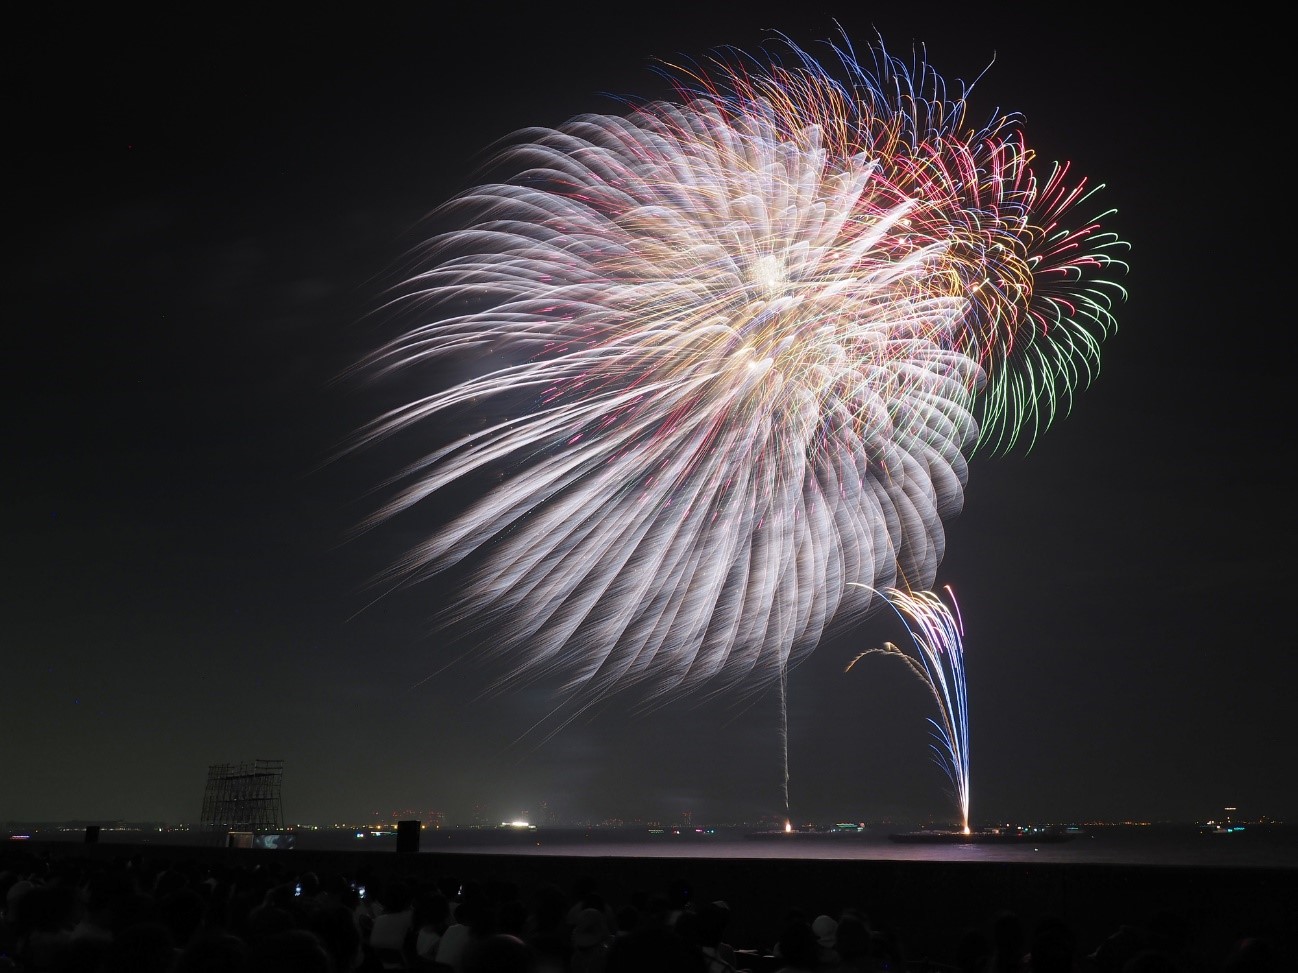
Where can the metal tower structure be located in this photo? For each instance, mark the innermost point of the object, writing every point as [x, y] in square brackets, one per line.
[243, 797]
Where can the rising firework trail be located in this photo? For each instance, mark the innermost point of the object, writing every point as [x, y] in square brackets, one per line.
[714, 358]
[937, 639]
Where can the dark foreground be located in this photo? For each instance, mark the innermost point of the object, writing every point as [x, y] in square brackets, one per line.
[927, 905]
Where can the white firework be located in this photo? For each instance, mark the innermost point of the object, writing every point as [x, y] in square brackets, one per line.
[739, 338]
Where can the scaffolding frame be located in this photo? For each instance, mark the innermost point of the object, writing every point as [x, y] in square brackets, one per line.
[243, 797]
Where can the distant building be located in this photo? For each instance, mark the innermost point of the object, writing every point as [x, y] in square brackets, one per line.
[242, 806]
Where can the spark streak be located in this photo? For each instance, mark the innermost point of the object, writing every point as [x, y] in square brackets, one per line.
[936, 633]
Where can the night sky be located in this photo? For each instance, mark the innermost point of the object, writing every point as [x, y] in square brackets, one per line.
[201, 216]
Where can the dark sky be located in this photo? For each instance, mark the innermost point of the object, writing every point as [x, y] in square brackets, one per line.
[202, 213]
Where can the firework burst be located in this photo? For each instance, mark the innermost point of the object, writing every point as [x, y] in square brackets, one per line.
[738, 345]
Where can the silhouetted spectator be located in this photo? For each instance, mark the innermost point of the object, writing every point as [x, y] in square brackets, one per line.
[391, 935]
[1052, 947]
[1252, 954]
[591, 938]
[797, 948]
[657, 912]
[219, 953]
[291, 951]
[973, 952]
[432, 914]
[886, 950]
[1112, 954]
[711, 922]
[146, 947]
[852, 942]
[826, 930]
[628, 919]
[101, 893]
[654, 949]
[583, 887]
[44, 917]
[1151, 961]
[265, 921]
[335, 926]
[499, 953]
[546, 931]
[472, 922]
[680, 898]
[310, 885]
[182, 911]
[1009, 943]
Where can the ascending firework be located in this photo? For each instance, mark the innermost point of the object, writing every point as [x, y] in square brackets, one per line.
[936, 633]
[736, 347]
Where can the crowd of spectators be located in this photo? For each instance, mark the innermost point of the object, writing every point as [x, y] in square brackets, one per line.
[167, 914]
